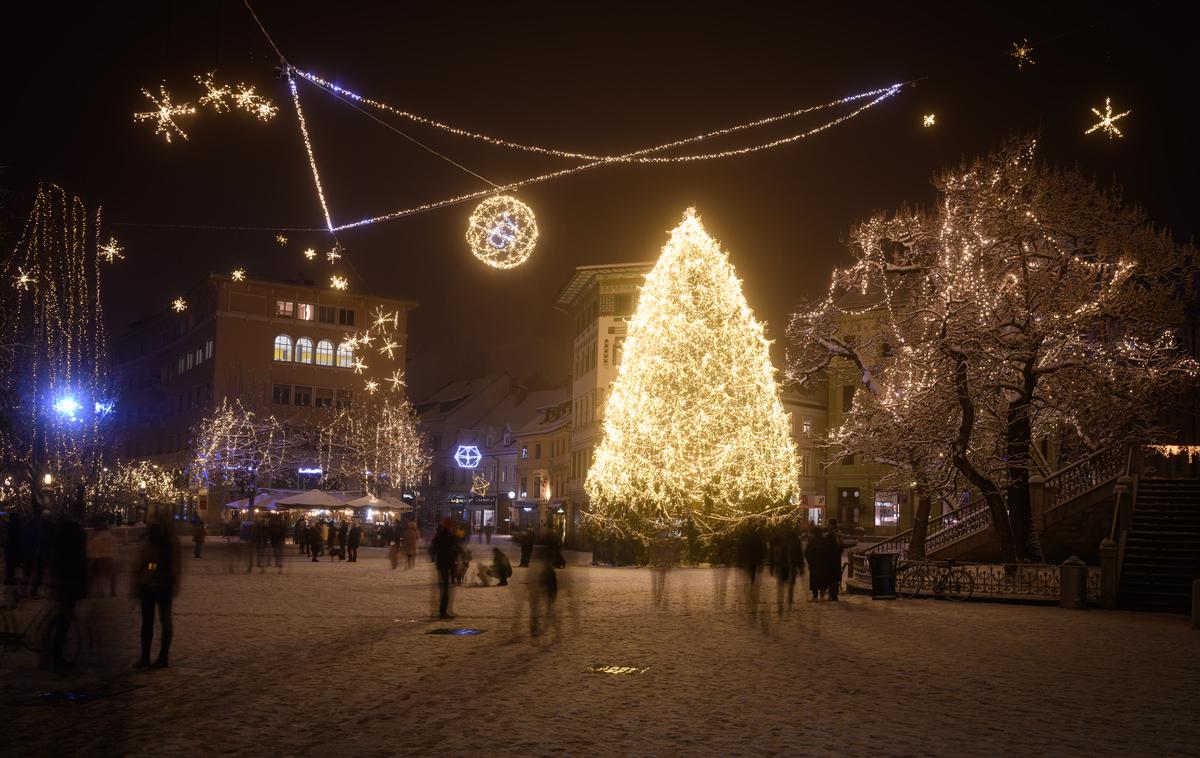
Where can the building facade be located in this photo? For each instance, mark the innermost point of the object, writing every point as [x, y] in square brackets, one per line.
[807, 406]
[278, 347]
[544, 467]
[600, 301]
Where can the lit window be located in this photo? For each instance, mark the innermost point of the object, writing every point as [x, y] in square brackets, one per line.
[302, 395]
[305, 311]
[304, 350]
[282, 394]
[345, 356]
[199, 356]
[524, 452]
[806, 426]
[283, 348]
[324, 353]
[324, 397]
[208, 349]
[190, 357]
[285, 308]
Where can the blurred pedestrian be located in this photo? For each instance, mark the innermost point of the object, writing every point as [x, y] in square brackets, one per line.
[342, 535]
[816, 553]
[543, 591]
[501, 567]
[102, 554]
[787, 562]
[526, 539]
[275, 537]
[411, 538]
[301, 536]
[315, 542]
[68, 568]
[444, 546]
[487, 532]
[198, 534]
[833, 556]
[158, 574]
[353, 540]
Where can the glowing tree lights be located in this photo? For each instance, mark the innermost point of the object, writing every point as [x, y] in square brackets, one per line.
[375, 441]
[235, 447]
[53, 348]
[1029, 306]
[694, 425]
[502, 232]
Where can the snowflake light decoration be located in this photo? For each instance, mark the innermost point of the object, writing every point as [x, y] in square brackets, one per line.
[371, 386]
[388, 347]
[338, 282]
[335, 253]
[397, 379]
[359, 366]
[215, 95]
[467, 456]
[111, 251]
[165, 113]
[239, 274]
[280, 239]
[1021, 53]
[310, 253]
[479, 484]
[22, 279]
[179, 305]
[930, 119]
[502, 232]
[1107, 121]
[252, 102]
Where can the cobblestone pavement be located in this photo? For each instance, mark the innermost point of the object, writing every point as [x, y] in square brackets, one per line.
[333, 659]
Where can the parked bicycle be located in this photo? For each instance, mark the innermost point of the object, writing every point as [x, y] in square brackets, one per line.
[940, 579]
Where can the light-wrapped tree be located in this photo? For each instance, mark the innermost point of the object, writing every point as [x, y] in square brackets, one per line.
[237, 448]
[1028, 305]
[375, 441]
[694, 426]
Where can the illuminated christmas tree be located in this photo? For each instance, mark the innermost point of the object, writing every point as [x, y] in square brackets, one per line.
[375, 442]
[54, 384]
[694, 426]
[238, 448]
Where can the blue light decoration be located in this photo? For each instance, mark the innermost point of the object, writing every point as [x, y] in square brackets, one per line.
[467, 456]
[503, 233]
[317, 471]
[104, 407]
[67, 406]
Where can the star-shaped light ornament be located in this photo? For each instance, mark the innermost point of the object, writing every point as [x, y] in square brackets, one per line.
[1022, 53]
[22, 280]
[1107, 121]
[239, 274]
[371, 386]
[479, 484]
[310, 253]
[338, 282]
[179, 305]
[383, 318]
[282, 240]
[215, 95]
[396, 380]
[252, 102]
[359, 366]
[111, 251]
[928, 120]
[165, 113]
[335, 253]
[389, 348]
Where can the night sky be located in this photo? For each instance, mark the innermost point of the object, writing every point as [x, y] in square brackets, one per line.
[601, 77]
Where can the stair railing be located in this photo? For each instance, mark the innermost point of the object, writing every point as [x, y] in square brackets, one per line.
[1084, 475]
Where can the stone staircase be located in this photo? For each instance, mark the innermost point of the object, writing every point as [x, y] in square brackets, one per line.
[1162, 549]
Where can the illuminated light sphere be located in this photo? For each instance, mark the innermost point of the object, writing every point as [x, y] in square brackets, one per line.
[502, 232]
[467, 456]
[67, 406]
[929, 119]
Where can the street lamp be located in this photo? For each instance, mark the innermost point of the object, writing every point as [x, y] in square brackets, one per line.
[48, 479]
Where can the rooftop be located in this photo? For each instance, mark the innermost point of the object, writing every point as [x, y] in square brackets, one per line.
[583, 276]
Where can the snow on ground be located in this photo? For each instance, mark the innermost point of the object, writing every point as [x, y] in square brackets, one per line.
[333, 659]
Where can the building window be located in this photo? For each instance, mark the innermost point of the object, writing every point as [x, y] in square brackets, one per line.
[305, 311]
[283, 348]
[304, 350]
[199, 356]
[524, 452]
[346, 316]
[435, 442]
[208, 349]
[806, 426]
[326, 314]
[324, 398]
[345, 356]
[537, 450]
[180, 366]
[344, 398]
[847, 398]
[190, 358]
[303, 396]
[802, 464]
[285, 308]
[282, 394]
[524, 486]
[504, 473]
[324, 353]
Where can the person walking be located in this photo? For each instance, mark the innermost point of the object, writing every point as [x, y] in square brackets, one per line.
[445, 551]
[818, 565]
[487, 532]
[102, 554]
[343, 533]
[411, 538]
[158, 573]
[787, 561]
[833, 556]
[301, 536]
[68, 569]
[275, 537]
[315, 542]
[198, 535]
[501, 568]
[527, 539]
[353, 540]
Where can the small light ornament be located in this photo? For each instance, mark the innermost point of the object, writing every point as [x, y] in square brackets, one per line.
[1021, 53]
[502, 232]
[338, 282]
[239, 274]
[179, 305]
[310, 253]
[467, 456]
[372, 386]
[335, 253]
[1107, 121]
[22, 280]
[280, 239]
[165, 113]
[479, 485]
[397, 380]
[111, 251]
[929, 120]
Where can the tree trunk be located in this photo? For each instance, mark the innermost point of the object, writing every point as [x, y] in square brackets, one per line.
[920, 530]
[1019, 440]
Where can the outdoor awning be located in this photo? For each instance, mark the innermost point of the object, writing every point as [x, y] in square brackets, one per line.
[261, 500]
[314, 499]
[378, 503]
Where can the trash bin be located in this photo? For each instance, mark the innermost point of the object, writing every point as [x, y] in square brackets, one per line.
[1073, 584]
[883, 576]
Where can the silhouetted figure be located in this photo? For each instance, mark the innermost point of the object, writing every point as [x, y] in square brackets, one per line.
[102, 554]
[68, 568]
[501, 568]
[817, 555]
[275, 537]
[658, 556]
[444, 547]
[198, 535]
[158, 571]
[258, 541]
[787, 562]
[301, 536]
[750, 556]
[487, 532]
[329, 531]
[411, 538]
[14, 546]
[833, 556]
[342, 536]
[543, 590]
[353, 540]
[526, 541]
[315, 542]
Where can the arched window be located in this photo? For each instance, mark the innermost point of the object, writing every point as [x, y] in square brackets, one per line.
[345, 356]
[304, 350]
[283, 348]
[324, 353]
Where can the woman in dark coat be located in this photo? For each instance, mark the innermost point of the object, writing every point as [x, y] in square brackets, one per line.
[353, 540]
[817, 555]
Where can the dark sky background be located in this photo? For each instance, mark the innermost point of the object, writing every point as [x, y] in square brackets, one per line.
[602, 77]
